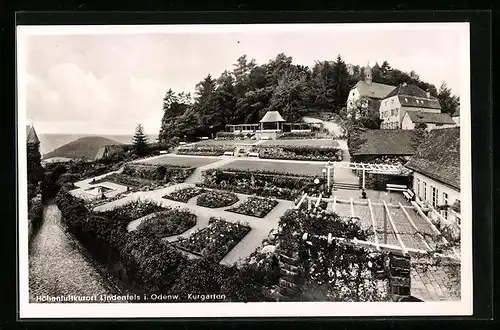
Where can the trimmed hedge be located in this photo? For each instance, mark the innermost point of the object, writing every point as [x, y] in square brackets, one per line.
[297, 135]
[205, 150]
[232, 136]
[143, 176]
[262, 183]
[35, 217]
[145, 264]
[300, 153]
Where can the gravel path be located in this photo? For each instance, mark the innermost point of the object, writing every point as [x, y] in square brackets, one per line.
[56, 266]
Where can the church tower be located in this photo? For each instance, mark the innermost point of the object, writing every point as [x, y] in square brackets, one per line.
[368, 74]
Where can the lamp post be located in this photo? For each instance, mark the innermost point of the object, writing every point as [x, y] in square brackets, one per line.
[324, 179]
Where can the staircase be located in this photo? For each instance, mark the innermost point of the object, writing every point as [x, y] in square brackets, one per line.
[345, 186]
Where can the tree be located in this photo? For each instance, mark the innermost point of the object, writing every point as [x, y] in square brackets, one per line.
[448, 102]
[140, 141]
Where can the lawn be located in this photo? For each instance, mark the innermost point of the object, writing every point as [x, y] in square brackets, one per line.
[190, 161]
[305, 142]
[284, 167]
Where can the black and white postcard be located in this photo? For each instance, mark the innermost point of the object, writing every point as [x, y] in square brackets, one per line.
[248, 170]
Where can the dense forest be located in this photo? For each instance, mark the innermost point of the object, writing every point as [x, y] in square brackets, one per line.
[244, 94]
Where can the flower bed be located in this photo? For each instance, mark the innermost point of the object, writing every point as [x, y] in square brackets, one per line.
[261, 183]
[216, 150]
[165, 173]
[255, 207]
[300, 153]
[185, 194]
[297, 135]
[215, 199]
[147, 177]
[233, 136]
[168, 223]
[215, 240]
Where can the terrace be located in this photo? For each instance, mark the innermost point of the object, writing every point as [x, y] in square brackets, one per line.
[398, 228]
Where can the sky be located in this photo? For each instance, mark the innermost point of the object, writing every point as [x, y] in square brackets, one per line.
[106, 81]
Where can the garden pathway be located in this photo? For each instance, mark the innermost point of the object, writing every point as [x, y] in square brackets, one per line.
[56, 266]
[196, 176]
[260, 226]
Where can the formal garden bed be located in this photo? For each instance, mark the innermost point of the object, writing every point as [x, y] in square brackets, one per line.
[214, 150]
[145, 176]
[184, 194]
[309, 153]
[168, 223]
[297, 135]
[215, 240]
[254, 182]
[215, 199]
[255, 207]
[233, 136]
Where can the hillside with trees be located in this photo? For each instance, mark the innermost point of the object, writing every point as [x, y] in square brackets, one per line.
[85, 147]
[245, 93]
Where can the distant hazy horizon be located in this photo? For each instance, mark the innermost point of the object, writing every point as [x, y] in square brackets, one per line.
[52, 141]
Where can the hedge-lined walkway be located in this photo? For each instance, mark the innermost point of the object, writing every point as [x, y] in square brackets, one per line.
[56, 266]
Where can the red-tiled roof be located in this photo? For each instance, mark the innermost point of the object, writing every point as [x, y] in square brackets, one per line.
[373, 90]
[430, 118]
[387, 142]
[438, 157]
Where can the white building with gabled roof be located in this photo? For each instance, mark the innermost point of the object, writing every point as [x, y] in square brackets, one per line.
[366, 94]
[405, 97]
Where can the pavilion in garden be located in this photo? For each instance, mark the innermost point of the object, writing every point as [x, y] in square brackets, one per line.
[272, 122]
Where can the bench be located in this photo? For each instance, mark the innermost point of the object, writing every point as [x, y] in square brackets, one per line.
[204, 137]
[163, 152]
[253, 154]
[228, 153]
[409, 194]
[395, 187]
[265, 137]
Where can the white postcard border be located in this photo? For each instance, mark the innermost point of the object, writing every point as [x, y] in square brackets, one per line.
[264, 309]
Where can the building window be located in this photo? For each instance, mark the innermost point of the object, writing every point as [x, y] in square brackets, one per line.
[424, 193]
[417, 188]
[434, 196]
[392, 101]
[445, 198]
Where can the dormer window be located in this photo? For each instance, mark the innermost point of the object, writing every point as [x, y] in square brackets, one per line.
[406, 100]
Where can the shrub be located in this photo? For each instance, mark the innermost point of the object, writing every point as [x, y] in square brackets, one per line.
[168, 223]
[255, 207]
[297, 135]
[215, 199]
